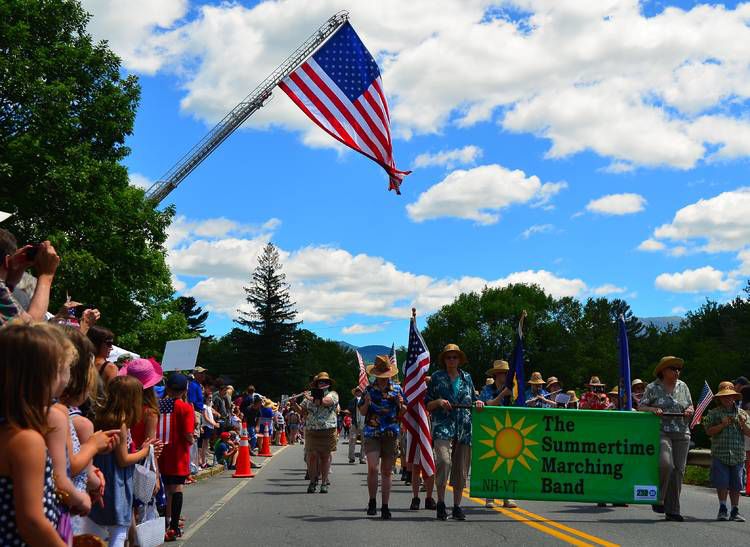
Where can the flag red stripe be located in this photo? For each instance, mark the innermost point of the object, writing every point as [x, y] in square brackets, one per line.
[379, 112]
[378, 88]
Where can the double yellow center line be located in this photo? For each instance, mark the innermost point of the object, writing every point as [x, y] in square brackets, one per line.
[547, 526]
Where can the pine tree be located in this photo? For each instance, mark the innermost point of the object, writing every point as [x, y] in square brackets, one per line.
[194, 314]
[270, 324]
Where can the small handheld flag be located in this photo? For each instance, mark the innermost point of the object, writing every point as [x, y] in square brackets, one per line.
[705, 398]
[362, 372]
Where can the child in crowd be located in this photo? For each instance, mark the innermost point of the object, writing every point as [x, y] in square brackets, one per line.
[279, 424]
[208, 425]
[122, 409]
[727, 425]
[174, 461]
[225, 451]
[29, 368]
[347, 423]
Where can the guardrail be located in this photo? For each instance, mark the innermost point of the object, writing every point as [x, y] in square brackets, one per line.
[700, 457]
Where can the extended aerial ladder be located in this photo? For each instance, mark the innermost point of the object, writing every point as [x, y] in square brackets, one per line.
[240, 113]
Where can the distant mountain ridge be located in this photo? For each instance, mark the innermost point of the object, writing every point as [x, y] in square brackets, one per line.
[368, 353]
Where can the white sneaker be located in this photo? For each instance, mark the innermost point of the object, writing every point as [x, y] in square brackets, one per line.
[489, 504]
[510, 504]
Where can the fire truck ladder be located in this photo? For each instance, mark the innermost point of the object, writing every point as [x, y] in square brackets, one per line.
[249, 106]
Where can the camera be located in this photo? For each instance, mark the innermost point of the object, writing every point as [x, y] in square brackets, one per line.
[32, 251]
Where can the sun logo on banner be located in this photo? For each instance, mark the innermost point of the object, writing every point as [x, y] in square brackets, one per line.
[509, 443]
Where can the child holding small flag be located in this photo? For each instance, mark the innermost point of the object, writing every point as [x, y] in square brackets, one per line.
[727, 426]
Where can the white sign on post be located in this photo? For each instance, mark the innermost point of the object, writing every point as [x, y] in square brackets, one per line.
[180, 354]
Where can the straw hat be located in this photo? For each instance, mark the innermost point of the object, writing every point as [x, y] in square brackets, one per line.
[449, 349]
[498, 366]
[321, 376]
[595, 382]
[573, 396]
[637, 382]
[553, 380]
[536, 379]
[726, 389]
[382, 368]
[614, 391]
[268, 403]
[146, 371]
[668, 361]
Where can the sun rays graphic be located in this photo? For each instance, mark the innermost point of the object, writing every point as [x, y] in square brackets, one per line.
[509, 443]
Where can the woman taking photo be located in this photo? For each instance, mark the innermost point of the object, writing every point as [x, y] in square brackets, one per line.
[382, 405]
[669, 398]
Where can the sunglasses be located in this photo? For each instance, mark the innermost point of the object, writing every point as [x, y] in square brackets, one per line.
[674, 369]
[447, 357]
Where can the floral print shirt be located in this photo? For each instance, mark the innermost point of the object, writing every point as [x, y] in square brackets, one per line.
[319, 416]
[676, 402]
[455, 424]
[382, 417]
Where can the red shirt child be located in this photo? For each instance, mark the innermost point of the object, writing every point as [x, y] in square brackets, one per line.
[175, 430]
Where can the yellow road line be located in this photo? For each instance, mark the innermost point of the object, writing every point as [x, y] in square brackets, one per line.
[561, 526]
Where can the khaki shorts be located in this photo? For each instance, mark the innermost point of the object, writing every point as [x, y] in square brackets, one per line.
[384, 446]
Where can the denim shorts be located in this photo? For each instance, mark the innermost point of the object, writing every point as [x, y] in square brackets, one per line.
[726, 477]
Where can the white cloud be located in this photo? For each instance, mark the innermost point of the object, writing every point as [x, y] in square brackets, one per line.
[617, 204]
[537, 229]
[449, 158]
[329, 283]
[705, 279]
[480, 193]
[358, 328]
[140, 181]
[609, 289]
[651, 245]
[597, 76]
[679, 310]
[721, 222]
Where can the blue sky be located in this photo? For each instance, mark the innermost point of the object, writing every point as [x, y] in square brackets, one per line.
[592, 149]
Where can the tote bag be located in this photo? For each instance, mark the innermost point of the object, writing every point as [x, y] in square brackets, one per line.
[150, 532]
[144, 478]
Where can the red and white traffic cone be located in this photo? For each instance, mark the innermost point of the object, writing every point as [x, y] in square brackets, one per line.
[243, 467]
[282, 440]
[265, 449]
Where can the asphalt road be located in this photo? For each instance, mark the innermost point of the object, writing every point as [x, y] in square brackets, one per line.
[274, 509]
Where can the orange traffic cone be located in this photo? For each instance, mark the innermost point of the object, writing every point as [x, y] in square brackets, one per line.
[243, 469]
[265, 449]
[283, 441]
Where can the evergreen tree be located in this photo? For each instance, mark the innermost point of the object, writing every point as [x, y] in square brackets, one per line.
[194, 314]
[270, 323]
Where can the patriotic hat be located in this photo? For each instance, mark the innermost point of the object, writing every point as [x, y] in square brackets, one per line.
[146, 371]
[668, 361]
[726, 389]
[498, 366]
[452, 348]
[382, 368]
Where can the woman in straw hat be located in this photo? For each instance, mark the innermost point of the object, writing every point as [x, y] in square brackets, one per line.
[573, 401]
[537, 395]
[451, 427]
[594, 398]
[496, 393]
[727, 426]
[669, 398]
[637, 387]
[319, 409]
[382, 405]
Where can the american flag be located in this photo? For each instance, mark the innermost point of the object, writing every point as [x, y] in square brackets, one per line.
[339, 88]
[418, 437]
[705, 398]
[164, 423]
[362, 372]
[392, 357]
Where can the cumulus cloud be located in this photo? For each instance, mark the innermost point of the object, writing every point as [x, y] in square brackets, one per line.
[327, 283]
[358, 328]
[705, 279]
[651, 245]
[609, 289]
[617, 204]
[598, 76]
[449, 158]
[480, 193]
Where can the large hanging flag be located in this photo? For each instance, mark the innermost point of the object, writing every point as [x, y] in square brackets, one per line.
[362, 371]
[516, 375]
[339, 88]
[705, 398]
[624, 391]
[418, 436]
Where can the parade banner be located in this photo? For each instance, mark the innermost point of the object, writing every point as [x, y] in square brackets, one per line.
[565, 455]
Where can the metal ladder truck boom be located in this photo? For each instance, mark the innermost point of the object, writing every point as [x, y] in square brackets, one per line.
[249, 105]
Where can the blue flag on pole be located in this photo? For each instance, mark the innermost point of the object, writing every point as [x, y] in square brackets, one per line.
[624, 393]
[516, 367]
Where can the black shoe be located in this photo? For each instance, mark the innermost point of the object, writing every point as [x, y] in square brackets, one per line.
[430, 504]
[414, 504]
[458, 513]
[372, 508]
[351, 460]
[657, 508]
[311, 488]
[442, 514]
[601, 504]
[619, 505]
[385, 513]
[675, 517]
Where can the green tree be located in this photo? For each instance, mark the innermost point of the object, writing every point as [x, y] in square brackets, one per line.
[270, 322]
[194, 314]
[65, 111]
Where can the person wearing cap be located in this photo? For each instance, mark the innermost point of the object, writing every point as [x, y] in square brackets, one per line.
[225, 451]
[728, 427]
[451, 427]
[382, 404]
[319, 410]
[669, 398]
[637, 387]
[595, 398]
[358, 423]
[496, 393]
[195, 389]
[174, 462]
[537, 395]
